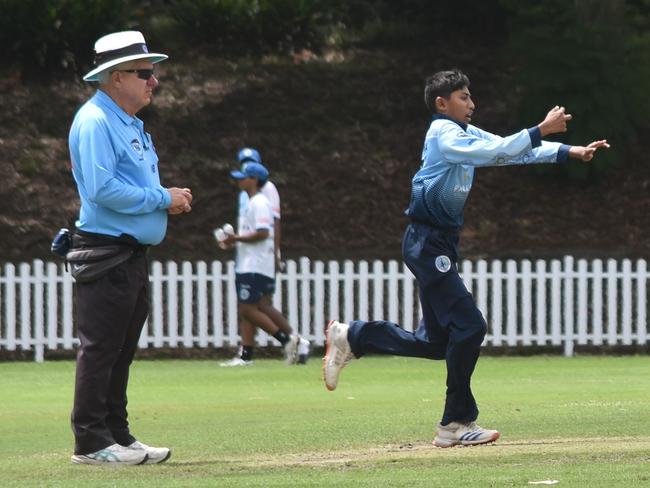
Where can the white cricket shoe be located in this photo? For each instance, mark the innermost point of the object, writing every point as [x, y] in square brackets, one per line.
[113, 455]
[303, 351]
[470, 434]
[236, 361]
[155, 455]
[290, 349]
[338, 353]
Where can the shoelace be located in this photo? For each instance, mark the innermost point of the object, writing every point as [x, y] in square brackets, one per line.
[473, 427]
[342, 359]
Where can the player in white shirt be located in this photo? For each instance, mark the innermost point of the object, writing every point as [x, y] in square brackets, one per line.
[269, 190]
[255, 271]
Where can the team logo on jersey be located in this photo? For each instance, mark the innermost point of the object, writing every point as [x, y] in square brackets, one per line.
[443, 264]
[137, 147]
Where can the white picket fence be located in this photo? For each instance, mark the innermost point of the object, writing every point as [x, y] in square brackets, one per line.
[557, 302]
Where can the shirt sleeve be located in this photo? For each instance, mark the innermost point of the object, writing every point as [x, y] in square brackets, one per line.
[271, 193]
[476, 147]
[98, 162]
[541, 152]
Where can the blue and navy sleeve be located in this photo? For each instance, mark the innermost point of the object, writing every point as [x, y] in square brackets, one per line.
[477, 147]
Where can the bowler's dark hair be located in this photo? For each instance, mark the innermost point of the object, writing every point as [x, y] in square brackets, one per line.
[441, 84]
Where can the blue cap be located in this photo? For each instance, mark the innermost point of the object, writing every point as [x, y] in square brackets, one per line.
[249, 154]
[251, 170]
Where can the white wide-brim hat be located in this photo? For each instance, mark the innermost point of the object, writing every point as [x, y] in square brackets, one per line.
[120, 47]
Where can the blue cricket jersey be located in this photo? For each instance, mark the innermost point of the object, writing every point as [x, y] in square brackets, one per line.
[452, 150]
[115, 166]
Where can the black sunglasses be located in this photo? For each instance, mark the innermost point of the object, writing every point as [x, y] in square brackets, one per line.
[143, 74]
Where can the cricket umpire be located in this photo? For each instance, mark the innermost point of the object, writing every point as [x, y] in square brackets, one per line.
[123, 211]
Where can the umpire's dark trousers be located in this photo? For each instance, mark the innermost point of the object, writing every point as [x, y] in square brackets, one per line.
[452, 327]
[110, 313]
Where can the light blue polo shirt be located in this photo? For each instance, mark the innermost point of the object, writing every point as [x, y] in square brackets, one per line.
[115, 166]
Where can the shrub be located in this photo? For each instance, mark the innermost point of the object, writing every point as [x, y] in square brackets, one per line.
[234, 27]
[421, 22]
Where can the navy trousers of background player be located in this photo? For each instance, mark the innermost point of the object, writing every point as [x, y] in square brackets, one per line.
[452, 328]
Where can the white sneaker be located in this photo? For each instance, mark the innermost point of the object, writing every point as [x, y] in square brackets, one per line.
[113, 454]
[236, 361]
[303, 351]
[338, 353]
[155, 455]
[469, 434]
[291, 349]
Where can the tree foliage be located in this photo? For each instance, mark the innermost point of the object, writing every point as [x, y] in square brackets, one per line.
[252, 26]
[592, 57]
[52, 36]
[48, 37]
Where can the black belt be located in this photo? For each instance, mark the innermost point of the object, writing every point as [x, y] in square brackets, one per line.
[83, 238]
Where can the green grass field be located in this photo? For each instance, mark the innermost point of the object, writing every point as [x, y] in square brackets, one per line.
[583, 421]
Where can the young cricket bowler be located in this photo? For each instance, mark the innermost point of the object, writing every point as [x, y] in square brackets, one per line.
[452, 327]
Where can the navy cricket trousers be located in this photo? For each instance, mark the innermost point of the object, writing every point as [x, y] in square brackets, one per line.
[452, 328]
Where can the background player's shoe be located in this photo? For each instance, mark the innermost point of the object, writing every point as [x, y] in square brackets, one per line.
[470, 434]
[303, 351]
[338, 353]
[113, 454]
[236, 361]
[290, 349]
[155, 455]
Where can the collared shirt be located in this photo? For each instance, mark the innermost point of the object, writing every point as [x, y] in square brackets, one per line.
[452, 151]
[115, 166]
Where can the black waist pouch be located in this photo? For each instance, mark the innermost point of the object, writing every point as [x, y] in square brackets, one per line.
[92, 263]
